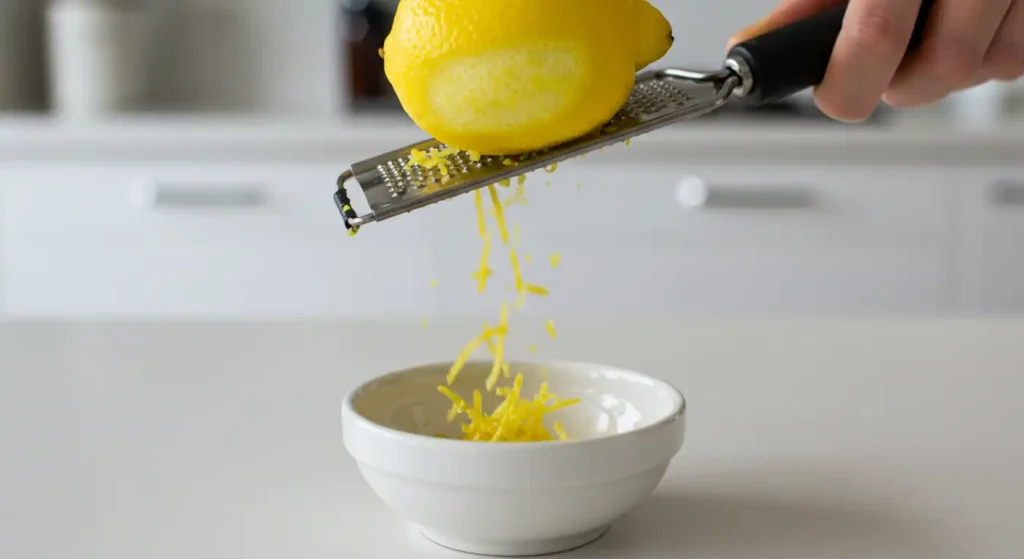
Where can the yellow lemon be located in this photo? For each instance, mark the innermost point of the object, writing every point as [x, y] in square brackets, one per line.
[510, 76]
[653, 35]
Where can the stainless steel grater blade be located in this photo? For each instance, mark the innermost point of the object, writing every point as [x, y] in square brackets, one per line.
[761, 70]
[392, 187]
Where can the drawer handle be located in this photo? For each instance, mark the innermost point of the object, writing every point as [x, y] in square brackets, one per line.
[695, 194]
[1008, 194]
[192, 197]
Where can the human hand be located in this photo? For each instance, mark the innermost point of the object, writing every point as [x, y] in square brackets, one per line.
[967, 43]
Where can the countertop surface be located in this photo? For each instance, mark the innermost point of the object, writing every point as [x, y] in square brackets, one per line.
[807, 440]
[913, 136]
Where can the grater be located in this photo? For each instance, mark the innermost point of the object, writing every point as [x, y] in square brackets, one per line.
[762, 70]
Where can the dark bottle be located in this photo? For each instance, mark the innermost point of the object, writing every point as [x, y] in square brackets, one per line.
[366, 25]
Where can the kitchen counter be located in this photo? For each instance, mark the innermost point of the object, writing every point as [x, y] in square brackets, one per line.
[896, 439]
[921, 136]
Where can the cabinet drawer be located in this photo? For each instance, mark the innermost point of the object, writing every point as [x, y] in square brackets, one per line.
[756, 240]
[199, 241]
[222, 203]
[991, 243]
[621, 279]
[735, 205]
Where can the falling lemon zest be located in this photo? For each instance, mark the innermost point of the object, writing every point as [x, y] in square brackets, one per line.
[498, 214]
[550, 326]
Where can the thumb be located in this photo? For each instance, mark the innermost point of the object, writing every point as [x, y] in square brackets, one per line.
[787, 12]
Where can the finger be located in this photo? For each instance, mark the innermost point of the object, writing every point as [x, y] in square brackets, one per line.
[787, 12]
[868, 52]
[1005, 57]
[952, 53]
[978, 79]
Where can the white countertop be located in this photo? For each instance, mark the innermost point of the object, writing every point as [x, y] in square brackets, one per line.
[921, 136]
[807, 440]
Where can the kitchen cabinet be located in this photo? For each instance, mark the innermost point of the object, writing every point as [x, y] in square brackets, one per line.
[673, 239]
[241, 238]
[990, 267]
[226, 239]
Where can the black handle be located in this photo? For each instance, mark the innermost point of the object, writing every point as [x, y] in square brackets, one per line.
[793, 58]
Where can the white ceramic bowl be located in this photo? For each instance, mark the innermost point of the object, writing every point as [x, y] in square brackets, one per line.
[515, 499]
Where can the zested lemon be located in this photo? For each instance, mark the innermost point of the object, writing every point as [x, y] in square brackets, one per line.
[509, 76]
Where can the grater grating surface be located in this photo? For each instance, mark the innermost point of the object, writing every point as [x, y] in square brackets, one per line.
[392, 185]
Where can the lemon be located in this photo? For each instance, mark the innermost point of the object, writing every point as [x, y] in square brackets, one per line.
[653, 37]
[503, 77]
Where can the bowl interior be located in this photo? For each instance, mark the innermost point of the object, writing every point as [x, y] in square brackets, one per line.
[612, 400]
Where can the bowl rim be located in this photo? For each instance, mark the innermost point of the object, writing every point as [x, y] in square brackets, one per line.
[349, 410]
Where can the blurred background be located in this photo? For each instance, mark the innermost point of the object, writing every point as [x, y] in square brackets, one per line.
[176, 159]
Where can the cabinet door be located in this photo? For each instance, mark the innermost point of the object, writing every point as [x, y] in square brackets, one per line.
[200, 241]
[678, 239]
[991, 240]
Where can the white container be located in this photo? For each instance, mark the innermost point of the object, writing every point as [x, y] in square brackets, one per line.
[95, 57]
[515, 499]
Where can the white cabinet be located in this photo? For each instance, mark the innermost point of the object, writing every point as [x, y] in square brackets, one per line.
[990, 207]
[679, 239]
[244, 239]
[200, 240]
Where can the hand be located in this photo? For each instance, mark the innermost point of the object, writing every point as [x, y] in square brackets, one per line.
[967, 43]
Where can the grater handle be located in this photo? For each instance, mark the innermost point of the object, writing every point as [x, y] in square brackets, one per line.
[794, 57]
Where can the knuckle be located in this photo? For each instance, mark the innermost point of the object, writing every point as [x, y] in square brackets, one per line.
[956, 60]
[878, 30]
[1004, 61]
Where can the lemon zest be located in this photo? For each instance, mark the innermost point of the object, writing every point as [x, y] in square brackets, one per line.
[484, 271]
[536, 290]
[498, 213]
[467, 352]
[550, 327]
[499, 350]
[516, 419]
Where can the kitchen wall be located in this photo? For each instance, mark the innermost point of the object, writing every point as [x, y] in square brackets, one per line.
[246, 55]
[282, 56]
[198, 214]
[278, 56]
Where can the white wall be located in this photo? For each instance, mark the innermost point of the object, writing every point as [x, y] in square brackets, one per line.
[266, 55]
[282, 56]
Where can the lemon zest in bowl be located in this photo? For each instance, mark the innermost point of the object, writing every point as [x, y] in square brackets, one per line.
[516, 419]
